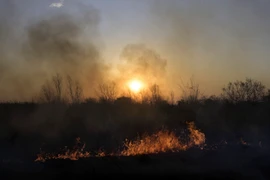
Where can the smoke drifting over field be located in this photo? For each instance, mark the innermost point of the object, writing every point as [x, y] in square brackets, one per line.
[53, 43]
[35, 49]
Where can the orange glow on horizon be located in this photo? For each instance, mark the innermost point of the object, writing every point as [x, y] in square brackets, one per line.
[135, 85]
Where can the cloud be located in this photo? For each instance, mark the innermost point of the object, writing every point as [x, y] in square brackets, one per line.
[58, 4]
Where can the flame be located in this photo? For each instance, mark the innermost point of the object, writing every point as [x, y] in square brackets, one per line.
[162, 141]
[76, 153]
[197, 138]
[101, 154]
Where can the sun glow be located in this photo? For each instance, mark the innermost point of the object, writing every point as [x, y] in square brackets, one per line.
[135, 85]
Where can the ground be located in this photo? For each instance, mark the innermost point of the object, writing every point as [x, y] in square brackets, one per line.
[230, 162]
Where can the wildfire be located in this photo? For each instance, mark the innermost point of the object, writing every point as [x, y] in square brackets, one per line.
[197, 138]
[162, 141]
[76, 153]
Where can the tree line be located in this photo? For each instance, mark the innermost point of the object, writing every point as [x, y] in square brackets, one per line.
[61, 89]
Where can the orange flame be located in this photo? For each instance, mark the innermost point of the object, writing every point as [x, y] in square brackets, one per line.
[162, 141]
[197, 138]
[75, 154]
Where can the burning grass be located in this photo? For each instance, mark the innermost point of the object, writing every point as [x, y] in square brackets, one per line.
[73, 154]
[162, 141]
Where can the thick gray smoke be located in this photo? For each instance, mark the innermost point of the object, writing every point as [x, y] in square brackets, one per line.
[53, 42]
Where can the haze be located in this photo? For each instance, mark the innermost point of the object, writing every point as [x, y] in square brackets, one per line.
[216, 41]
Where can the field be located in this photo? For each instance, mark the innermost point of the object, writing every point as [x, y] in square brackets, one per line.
[210, 139]
[229, 162]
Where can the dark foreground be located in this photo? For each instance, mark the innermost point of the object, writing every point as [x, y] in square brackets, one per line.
[241, 162]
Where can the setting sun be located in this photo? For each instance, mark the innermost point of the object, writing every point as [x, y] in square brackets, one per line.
[135, 85]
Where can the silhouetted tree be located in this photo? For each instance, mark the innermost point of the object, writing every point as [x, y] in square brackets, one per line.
[155, 94]
[107, 92]
[58, 90]
[52, 91]
[123, 100]
[190, 91]
[90, 100]
[75, 91]
[47, 94]
[249, 90]
[172, 98]
[267, 96]
[57, 81]
[145, 96]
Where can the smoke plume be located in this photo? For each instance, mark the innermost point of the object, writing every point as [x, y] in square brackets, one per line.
[53, 42]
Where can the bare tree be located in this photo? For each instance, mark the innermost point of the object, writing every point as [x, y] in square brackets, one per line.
[74, 90]
[52, 91]
[145, 97]
[155, 94]
[190, 91]
[47, 94]
[107, 92]
[267, 95]
[57, 81]
[248, 90]
[172, 98]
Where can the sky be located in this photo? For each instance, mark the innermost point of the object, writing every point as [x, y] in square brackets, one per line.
[213, 41]
[227, 40]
